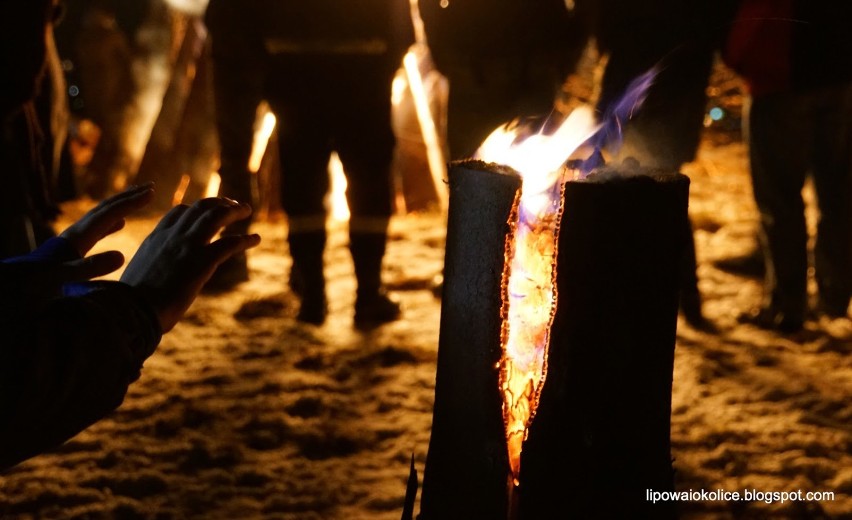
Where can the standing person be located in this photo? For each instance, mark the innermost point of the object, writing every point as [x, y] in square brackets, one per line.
[503, 59]
[27, 203]
[681, 39]
[326, 69]
[796, 59]
[71, 346]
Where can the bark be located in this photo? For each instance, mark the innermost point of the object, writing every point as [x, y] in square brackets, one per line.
[601, 436]
[466, 466]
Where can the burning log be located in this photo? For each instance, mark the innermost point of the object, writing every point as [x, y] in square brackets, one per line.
[599, 436]
[602, 432]
[466, 466]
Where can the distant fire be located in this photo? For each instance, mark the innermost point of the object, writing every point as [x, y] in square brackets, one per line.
[263, 133]
[265, 127]
[529, 294]
[337, 197]
[213, 185]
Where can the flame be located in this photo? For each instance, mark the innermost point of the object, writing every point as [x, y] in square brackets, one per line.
[337, 197]
[180, 191]
[529, 290]
[434, 150]
[529, 277]
[610, 135]
[213, 184]
[261, 137]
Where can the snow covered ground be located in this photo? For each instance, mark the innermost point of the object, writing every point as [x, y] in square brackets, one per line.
[243, 413]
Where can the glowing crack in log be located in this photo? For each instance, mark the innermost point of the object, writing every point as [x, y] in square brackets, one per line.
[529, 294]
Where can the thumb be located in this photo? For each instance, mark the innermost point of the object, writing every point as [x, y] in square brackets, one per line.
[229, 245]
[90, 267]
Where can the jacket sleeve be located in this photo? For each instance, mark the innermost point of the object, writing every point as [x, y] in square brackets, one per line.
[67, 362]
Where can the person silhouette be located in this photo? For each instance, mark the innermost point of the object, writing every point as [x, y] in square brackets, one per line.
[326, 70]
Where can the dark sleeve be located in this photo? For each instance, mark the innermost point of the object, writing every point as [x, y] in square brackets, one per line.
[67, 364]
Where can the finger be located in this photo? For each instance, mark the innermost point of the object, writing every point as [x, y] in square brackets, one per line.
[171, 217]
[128, 201]
[118, 226]
[200, 207]
[90, 267]
[211, 222]
[228, 246]
[104, 219]
[129, 192]
[132, 193]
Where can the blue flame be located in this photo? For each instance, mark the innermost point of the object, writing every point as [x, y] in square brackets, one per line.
[611, 134]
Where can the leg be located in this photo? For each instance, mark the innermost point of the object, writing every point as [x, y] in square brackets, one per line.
[304, 151]
[832, 173]
[777, 133]
[366, 149]
[237, 77]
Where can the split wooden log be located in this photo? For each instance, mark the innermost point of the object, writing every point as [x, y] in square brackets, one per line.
[466, 466]
[601, 436]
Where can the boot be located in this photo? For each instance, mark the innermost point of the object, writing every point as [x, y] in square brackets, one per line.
[307, 279]
[373, 305]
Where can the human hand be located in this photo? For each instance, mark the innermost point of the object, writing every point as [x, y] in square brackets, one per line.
[107, 217]
[178, 258]
[45, 271]
[103, 220]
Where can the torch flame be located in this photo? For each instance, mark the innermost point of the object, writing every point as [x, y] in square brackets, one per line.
[530, 273]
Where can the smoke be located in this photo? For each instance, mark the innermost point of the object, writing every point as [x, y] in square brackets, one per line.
[610, 136]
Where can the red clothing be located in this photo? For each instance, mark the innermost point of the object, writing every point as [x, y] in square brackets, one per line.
[791, 45]
[759, 43]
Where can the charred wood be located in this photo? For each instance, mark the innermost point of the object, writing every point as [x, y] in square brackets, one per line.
[601, 436]
[466, 466]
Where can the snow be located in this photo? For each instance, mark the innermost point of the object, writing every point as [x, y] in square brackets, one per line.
[243, 413]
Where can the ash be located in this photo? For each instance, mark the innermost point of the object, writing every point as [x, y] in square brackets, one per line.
[627, 170]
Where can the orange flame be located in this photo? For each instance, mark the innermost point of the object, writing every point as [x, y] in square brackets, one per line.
[529, 290]
[262, 135]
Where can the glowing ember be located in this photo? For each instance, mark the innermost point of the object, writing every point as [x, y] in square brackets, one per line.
[530, 269]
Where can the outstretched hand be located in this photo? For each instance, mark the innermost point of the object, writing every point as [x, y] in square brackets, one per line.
[106, 218]
[179, 256]
[103, 220]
